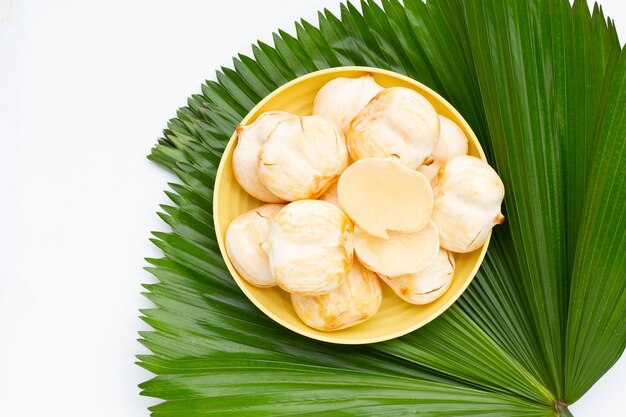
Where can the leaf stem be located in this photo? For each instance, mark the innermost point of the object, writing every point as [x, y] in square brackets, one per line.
[565, 412]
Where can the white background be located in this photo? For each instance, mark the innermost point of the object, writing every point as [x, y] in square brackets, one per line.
[85, 90]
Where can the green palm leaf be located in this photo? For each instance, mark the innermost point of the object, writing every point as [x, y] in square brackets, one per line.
[596, 328]
[543, 84]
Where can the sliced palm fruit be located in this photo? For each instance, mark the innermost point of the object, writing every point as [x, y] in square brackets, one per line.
[341, 99]
[400, 254]
[397, 122]
[468, 197]
[246, 237]
[302, 157]
[427, 285]
[250, 138]
[382, 195]
[310, 247]
[354, 301]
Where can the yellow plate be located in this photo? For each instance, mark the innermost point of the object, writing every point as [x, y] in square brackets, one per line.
[395, 317]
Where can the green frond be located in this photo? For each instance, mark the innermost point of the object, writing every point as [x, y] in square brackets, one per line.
[543, 85]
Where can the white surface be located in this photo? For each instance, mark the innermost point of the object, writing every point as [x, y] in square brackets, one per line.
[85, 89]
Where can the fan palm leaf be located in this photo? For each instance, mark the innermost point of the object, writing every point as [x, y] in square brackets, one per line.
[543, 84]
